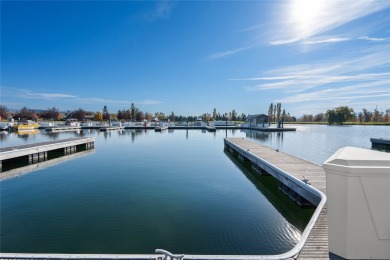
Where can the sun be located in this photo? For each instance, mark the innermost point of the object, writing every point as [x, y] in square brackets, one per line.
[304, 15]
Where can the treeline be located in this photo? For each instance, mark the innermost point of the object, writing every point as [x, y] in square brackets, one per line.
[276, 114]
[344, 114]
[131, 114]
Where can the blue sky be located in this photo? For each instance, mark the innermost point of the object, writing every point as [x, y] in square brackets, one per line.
[193, 56]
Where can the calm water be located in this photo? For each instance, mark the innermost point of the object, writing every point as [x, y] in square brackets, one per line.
[180, 191]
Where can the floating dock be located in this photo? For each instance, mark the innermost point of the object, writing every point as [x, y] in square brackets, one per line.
[38, 152]
[380, 142]
[160, 128]
[111, 128]
[294, 174]
[211, 128]
[56, 129]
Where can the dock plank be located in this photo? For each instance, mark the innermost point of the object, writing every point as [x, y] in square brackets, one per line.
[316, 246]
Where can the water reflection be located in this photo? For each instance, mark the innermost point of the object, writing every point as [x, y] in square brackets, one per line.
[269, 186]
[42, 165]
[4, 135]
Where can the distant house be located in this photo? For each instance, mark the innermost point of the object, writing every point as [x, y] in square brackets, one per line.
[89, 116]
[259, 120]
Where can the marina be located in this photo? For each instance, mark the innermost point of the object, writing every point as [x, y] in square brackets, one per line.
[299, 181]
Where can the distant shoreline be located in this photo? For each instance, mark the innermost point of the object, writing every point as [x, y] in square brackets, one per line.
[345, 123]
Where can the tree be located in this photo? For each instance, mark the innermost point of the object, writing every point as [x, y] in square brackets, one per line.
[106, 114]
[79, 114]
[278, 111]
[366, 115]
[172, 117]
[376, 116]
[114, 116]
[139, 116]
[234, 115]
[132, 111]
[98, 116]
[26, 114]
[51, 113]
[340, 115]
[3, 112]
[270, 113]
[148, 116]
[274, 113]
[319, 117]
[215, 114]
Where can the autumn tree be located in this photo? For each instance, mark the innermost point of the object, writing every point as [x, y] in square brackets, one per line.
[79, 114]
[26, 114]
[148, 116]
[98, 116]
[4, 113]
[51, 113]
[139, 116]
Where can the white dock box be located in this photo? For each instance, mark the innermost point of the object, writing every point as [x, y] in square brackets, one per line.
[358, 191]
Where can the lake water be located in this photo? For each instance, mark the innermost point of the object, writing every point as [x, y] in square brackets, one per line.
[142, 190]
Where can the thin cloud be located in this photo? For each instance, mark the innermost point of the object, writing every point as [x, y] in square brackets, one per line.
[148, 102]
[307, 18]
[373, 39]
[330, 40]
[58, 97]
[23, 93]
[365, 76]
[299, 78]
[162, 10]
[351, 92]
[224, 54]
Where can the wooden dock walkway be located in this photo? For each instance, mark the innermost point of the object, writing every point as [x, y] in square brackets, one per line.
[37, 152]
[316, 245]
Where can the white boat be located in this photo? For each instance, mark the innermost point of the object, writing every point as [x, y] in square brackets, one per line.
[5, 126]
[86, 125]
[47, 124]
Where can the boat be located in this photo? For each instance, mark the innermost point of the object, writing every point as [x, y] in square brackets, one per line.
[28, 125]
[5, 126]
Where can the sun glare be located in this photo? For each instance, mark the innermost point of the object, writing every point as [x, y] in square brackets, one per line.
[305, 13]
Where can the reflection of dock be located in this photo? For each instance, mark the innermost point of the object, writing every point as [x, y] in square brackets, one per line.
[289, 170]
[44, 164]
[37, 152]
[269, 187]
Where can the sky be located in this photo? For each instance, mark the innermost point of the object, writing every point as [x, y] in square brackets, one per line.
[190, 57]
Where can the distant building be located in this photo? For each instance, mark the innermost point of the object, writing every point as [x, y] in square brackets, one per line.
[259, 120]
